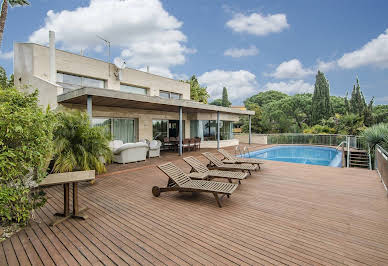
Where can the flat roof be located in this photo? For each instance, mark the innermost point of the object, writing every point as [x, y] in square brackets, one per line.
[114, 98]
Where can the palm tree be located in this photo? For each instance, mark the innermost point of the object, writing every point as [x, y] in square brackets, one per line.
[4, 11]
[78, 145]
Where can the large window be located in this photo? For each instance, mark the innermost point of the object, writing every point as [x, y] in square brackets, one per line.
[72, 82]
[207, 129]
[133, 89]
[119, 128]
[170, 95]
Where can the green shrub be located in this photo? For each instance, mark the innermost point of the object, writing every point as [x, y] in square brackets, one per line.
[25, 150]
[377, 134]
[78, 145]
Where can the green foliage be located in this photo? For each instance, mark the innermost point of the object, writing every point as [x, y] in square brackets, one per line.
[321, 107]
[264, 98]
[78, 145]
[350, 124]
[357, 101]
[256, 120]
[18, 2]
[217, 102]
[4, 81]
[197, 93]
[377, 134]
[380, 114]
[319, 129]
[338, 105]
[25, 151]
[225, 100]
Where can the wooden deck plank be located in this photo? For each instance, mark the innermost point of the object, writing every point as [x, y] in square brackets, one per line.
[31, 252]
[19, 250]
[285, 213]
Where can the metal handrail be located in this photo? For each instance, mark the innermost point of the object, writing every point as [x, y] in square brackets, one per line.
[370, 159]
[339, 145]
[246, 148]
[239, 150]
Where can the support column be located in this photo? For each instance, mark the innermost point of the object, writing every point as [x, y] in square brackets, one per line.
[180, 130]
[250, 130]
[52, 63]
[218, 130]
[89, 107]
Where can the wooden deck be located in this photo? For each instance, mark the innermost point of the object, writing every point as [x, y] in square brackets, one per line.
[284, 214]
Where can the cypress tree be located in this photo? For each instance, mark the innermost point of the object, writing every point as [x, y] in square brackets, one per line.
[225, 100]
[357, 101]
[321, 107]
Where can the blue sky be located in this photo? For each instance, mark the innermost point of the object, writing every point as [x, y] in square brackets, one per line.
[248, 46]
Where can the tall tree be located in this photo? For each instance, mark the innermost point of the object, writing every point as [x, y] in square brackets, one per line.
[321, 107]
[4, 11]
[225, 100]
[357, 101]
[197, 93]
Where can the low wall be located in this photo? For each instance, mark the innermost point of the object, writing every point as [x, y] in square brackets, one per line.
[223, 143]
[255, 139]
[382, 165]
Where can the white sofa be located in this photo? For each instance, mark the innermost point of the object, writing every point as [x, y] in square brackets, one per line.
[154, 148]
[128, 152]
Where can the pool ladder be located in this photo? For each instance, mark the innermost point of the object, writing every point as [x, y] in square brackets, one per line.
[237, 151]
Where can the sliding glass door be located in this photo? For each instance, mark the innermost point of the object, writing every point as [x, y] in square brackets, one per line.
[120, 128]
[124, 129]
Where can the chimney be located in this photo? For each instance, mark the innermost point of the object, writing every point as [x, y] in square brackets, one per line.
[53, 67]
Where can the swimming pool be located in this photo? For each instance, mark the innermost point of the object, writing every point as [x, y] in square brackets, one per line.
[301, 154]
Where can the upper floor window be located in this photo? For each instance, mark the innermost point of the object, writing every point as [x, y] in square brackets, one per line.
[170, 95]
[71, 82]
[132, 89]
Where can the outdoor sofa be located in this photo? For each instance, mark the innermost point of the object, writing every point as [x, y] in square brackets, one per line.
[128, 152]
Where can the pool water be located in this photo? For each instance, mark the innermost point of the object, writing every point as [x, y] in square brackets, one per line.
[301, 154]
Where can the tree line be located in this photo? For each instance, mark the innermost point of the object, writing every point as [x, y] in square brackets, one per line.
[319, 112]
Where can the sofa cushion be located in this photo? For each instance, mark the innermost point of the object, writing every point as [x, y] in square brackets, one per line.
[115, 144]
[130, 146]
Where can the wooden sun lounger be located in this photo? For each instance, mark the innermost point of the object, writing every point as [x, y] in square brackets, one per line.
[216, 163]
[229, 158]
[179, 181]
[198, 169]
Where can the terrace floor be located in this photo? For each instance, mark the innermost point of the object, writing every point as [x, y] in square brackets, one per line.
[283, 214]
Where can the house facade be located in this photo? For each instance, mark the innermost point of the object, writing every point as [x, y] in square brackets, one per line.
[131, 104]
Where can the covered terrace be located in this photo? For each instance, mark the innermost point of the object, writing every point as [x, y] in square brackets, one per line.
[92, 97]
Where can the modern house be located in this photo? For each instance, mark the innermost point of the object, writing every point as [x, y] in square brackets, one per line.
[131, 104]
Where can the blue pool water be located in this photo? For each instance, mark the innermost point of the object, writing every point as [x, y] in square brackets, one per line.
[301, 154]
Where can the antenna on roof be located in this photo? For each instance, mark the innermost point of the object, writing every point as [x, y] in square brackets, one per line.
[108, 44]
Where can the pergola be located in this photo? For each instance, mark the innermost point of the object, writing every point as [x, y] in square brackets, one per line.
[111, 98]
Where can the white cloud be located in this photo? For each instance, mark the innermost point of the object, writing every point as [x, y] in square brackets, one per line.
[373, 53]
[145, 31]
[235, 52]
[326, 66]
[6, 55]
[291, 87]
[292, 69]
[258, 24]
[240, 84]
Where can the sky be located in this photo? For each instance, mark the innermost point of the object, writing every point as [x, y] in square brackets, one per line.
[248, 46]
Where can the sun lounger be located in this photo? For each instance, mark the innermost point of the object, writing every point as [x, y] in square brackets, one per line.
[229, 158]
[216, 163]
[198, 169]
[179, 181]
